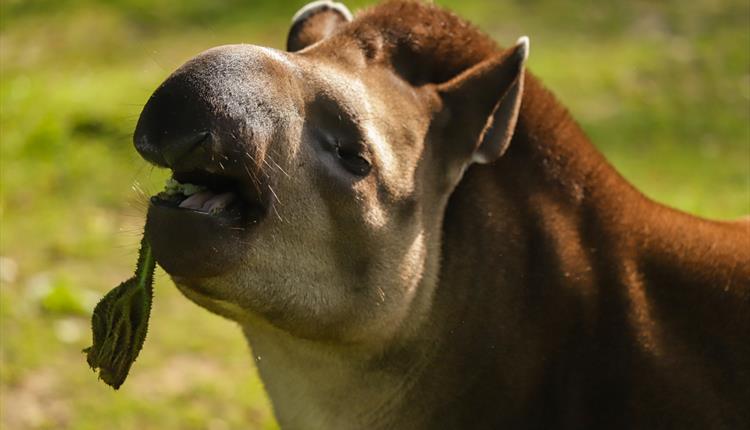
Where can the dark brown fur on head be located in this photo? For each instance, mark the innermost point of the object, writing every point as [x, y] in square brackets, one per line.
[425, 43]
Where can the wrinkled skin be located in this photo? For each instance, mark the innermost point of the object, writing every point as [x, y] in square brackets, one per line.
[391, 270]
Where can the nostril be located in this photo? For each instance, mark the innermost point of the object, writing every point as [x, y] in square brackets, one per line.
[177, 148]
[173, 124]
[148, 150]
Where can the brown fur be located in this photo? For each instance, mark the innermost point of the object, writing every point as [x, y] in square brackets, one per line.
[599, 307]
[538, 290]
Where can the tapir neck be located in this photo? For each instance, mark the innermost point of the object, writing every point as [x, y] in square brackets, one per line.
[559, 281]
[541, 308]
[317, 385]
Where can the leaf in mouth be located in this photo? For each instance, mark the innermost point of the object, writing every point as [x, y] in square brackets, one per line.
[120, 322]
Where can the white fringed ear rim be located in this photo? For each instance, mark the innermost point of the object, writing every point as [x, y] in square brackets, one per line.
[523, 43]
[315, 6]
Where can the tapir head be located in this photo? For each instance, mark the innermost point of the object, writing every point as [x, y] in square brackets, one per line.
[326, 170]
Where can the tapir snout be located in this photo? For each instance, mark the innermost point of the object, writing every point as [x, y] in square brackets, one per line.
[211, 123]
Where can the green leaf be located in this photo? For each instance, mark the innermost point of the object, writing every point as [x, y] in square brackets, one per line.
[120, 322]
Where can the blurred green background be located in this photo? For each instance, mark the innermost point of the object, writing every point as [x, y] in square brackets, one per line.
[663, 89]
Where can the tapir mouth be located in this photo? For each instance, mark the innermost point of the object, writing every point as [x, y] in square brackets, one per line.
[198, 225]
[211, 194]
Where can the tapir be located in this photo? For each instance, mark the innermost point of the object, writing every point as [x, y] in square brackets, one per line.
[413, 233]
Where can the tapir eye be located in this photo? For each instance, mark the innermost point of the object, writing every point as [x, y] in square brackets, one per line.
[352, 160]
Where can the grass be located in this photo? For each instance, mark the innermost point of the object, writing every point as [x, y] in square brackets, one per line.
[663, 90]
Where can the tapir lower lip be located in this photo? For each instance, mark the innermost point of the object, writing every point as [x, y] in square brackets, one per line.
[195, 244]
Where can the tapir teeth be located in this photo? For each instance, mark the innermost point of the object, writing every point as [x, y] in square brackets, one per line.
[219, 202]
[197, 200]
[208, 201]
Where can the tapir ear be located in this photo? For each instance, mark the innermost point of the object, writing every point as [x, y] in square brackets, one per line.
[314, 22]
[484, 101]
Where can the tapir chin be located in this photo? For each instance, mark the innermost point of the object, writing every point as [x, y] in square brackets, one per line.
[414, 234]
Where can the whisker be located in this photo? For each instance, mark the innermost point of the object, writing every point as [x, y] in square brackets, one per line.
[250, 156]
[266, 163]
[274, 194]
[138, 190]
[276, 212]
[158, 64]
[279, 167]
[253, 178]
